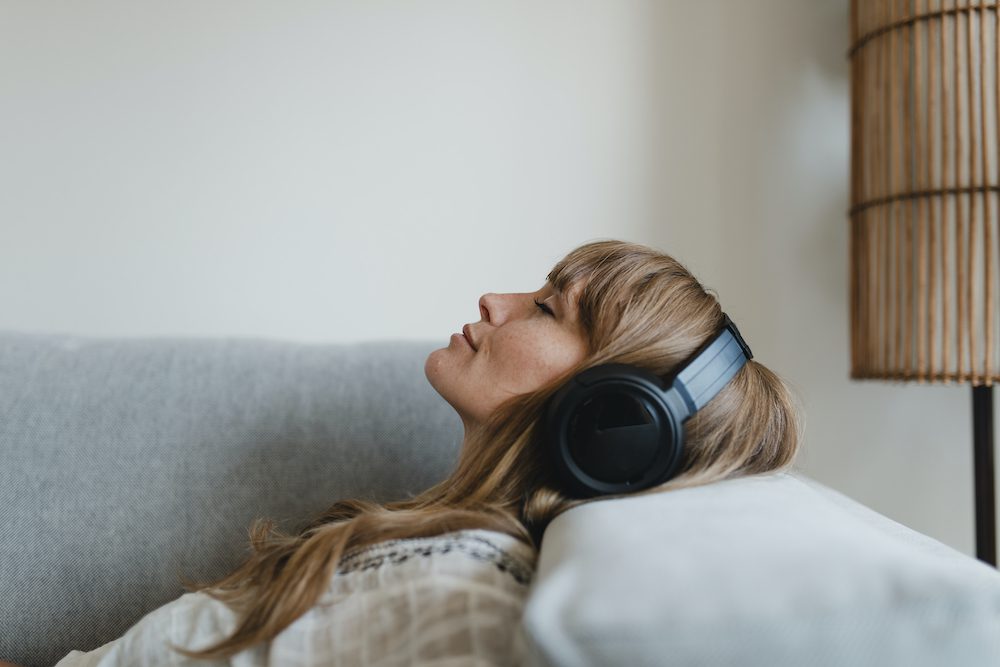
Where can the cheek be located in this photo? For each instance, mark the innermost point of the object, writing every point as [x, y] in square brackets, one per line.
[533, 363]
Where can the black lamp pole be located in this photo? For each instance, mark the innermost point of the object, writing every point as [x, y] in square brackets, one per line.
[982, 435]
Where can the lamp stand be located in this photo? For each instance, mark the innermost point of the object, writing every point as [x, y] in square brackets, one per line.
[982, 435]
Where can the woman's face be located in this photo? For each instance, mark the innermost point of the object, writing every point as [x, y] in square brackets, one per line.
[516, 347]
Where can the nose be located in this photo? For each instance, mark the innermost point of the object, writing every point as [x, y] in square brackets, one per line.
[484, 311]
[497, 308]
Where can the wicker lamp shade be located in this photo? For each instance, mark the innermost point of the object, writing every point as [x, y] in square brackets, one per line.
[925, 190]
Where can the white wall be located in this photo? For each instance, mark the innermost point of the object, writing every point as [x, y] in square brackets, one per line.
[324, 171]
[343, 171]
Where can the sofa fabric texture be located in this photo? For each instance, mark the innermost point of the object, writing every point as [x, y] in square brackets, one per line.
[128, 461]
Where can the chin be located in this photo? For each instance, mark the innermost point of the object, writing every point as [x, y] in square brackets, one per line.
[429, 366]
[435, 367]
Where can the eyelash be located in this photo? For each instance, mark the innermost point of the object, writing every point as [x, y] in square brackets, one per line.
[544, 308]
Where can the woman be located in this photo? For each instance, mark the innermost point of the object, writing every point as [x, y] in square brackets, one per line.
[605, 302]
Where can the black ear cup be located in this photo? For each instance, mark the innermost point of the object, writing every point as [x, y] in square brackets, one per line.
[610, 430]
[617, 428]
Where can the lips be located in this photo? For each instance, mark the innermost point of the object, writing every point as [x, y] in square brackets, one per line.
[467, 332]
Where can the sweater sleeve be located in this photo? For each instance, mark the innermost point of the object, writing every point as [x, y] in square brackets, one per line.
[88, 658]
[193, 621]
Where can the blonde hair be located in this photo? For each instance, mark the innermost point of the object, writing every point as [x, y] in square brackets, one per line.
[637, 306]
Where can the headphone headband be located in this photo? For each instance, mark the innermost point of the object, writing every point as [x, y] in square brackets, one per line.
[712, 367]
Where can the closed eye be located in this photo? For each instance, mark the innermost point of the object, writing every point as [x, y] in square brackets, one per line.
[544, 308]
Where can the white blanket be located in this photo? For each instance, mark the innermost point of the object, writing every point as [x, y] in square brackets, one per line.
[454, 599]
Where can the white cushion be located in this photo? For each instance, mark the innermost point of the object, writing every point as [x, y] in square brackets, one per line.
[768, 570]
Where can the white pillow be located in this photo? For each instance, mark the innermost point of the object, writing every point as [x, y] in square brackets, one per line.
[768, 570]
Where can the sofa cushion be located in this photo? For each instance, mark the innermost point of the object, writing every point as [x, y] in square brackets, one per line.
[767, 570]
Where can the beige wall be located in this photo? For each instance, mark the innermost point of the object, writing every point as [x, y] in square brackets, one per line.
[341, 171]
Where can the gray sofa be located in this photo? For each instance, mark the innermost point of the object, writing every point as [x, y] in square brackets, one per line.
[126, 461]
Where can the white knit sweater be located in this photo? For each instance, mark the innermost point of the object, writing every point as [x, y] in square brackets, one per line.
[454, 599]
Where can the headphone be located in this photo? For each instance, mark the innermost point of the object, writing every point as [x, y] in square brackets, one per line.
[618, 428]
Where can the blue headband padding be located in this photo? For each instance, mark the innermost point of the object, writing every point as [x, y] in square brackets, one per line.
[712, 368]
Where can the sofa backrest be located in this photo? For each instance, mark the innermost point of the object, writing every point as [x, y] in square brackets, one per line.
[128, 461]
